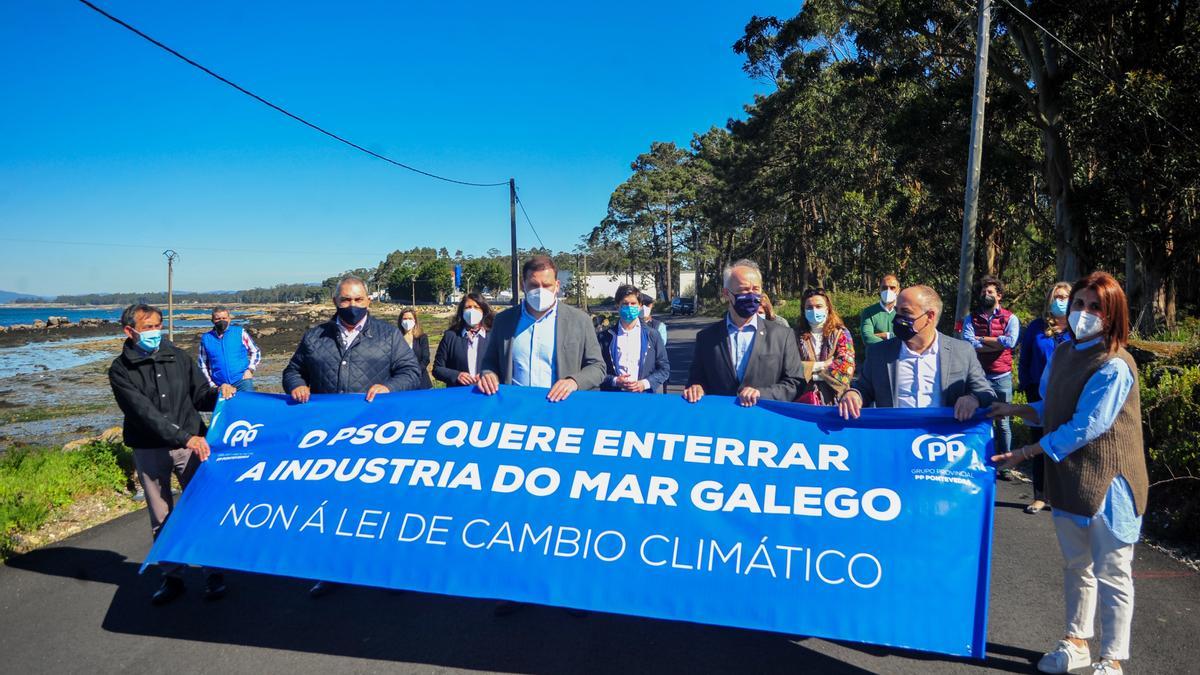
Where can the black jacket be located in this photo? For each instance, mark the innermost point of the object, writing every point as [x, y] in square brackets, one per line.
[774, 366]
[420, 347]
[451, 357]
[160, 394]
[653, 365]
[379, 355]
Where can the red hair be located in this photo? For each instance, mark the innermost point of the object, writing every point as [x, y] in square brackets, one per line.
[1114, 308]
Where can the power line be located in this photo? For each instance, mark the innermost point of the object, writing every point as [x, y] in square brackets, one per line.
[1149, 107]
[521, 204]
[277, 108]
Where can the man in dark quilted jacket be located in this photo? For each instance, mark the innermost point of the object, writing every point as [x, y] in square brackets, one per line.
[350, 353]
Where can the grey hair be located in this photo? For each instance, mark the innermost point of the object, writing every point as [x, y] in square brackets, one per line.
[217, 310]
[929, 299]
[744, 262]
[337, 290]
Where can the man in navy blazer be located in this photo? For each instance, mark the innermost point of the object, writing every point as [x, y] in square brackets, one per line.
[741, 354]
[634, 353]
[919, 367]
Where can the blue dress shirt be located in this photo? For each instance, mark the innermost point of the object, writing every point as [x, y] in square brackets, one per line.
[533, 349]
[1099, 403]
[741, 343]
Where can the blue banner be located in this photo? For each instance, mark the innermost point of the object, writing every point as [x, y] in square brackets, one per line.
[779, 517]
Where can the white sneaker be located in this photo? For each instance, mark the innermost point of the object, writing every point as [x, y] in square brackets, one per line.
[1066, 657]
[1106, 667]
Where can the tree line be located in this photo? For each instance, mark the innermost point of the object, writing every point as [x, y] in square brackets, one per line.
[854, 163]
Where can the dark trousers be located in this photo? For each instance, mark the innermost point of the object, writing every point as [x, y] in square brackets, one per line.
[1037, 468]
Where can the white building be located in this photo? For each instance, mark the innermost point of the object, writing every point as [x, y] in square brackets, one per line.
[603, 285]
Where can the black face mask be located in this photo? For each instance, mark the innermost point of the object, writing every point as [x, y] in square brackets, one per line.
[351, 315]
[221, 326]
[987, 302]
[904, 327]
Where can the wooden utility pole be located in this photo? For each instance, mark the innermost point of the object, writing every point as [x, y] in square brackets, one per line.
[670, 246]
[966, 260]
[414, 291]
[512, 220]
[171, 257]
[587, 285]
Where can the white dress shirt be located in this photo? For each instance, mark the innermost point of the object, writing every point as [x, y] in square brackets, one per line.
[348, 334]
[473, 339]
[918, 377]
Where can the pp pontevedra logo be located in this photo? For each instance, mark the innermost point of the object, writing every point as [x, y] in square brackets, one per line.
[933, 447]
[241, 432]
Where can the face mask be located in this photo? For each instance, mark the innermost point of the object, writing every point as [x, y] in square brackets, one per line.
[903, 327]
[1058, 307]
[646, 311]
[746, 304]
[987, 302]
[1085, 325]
[887, 296]
[408, 325]
[351, 315]
[149, 340]
[221, 326]
[539, 299]
[816, 317]
[630, 313]
[472, 316]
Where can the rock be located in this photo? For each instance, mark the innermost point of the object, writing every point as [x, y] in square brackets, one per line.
[39, 324]
[91, 322]
[264, 332]
[1141, 356]
[3, 329]
[55, 321]
[109, 435]
[112, 435]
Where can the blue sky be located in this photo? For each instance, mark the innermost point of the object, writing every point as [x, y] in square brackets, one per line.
[108, 139]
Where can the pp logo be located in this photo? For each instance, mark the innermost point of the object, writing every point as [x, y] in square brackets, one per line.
[242, 432]
[932, 447]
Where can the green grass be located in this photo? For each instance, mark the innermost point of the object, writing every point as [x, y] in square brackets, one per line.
[36, 483]
[24, 414]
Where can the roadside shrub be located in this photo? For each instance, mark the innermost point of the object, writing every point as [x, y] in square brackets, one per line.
[1170, 410]
[35, 483]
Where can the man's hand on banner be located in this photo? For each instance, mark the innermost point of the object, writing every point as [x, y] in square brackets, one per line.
[850, 405]
[965, 407]
[198, 445]
[375, 390]
[562, 389]
[300, 394]
[693, 393]
[227, 391]
[488, 383]
[748, 396]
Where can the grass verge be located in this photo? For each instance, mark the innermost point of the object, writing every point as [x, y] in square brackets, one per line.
[37, 483]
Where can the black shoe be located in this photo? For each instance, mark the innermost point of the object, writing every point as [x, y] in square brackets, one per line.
[321, 589]
[168, 590]
[214, 586]
[506, 607]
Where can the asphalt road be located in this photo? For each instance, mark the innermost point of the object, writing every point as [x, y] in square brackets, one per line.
[80, 606]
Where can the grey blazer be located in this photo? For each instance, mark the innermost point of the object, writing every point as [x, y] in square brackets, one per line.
[774, 367]
[959, 369]
[576, 350]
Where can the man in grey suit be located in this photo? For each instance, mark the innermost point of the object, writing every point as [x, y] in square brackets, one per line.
[919, 367]
[743, 355]
[542, 342]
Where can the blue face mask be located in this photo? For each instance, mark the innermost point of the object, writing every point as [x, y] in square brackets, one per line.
[630, 313]
[816, 317]
[149, 340]
[746, 304]
[1058, 306]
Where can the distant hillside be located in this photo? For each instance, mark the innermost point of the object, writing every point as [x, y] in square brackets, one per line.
[8, 296]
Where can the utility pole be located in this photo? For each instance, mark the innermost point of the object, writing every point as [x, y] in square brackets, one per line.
[587, 286]
[414, 291]
[670, 246]
[172, 256]
[512, 219]
[966, 260]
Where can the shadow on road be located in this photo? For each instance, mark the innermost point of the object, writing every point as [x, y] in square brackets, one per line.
[276, 613]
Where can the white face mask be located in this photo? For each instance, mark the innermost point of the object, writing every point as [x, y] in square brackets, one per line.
[408, 325]
[472, 316]
[646, 311]
[539, 299]
[1085, 325]
[888, 296]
